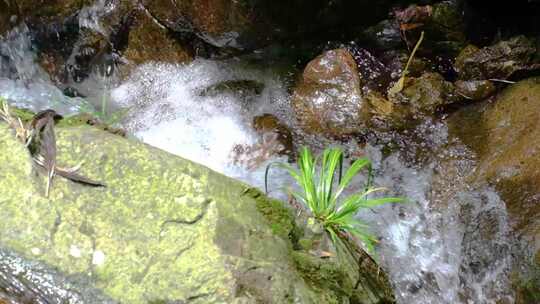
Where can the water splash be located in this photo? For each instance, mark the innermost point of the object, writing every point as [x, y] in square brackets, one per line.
[24, 83]
[449, 243]
[171, 111]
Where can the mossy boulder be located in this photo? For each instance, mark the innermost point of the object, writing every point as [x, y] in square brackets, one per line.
[425, 94]
[164, 230]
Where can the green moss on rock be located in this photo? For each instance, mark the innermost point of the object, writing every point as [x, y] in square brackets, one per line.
[324, 274]
[164, 229]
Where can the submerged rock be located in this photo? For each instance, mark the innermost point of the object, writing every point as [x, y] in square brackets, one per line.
[328, 98]
[163, 230]
[269, 124]
[475, 89]
[242, 88]
[499, 61]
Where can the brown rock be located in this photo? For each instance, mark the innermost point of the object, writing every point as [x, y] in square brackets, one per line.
[219, 22]
[269, 124]
[50, 10]
[475, 89]
[425, 95]
[328, 98]
[148, 41]
[505, 134]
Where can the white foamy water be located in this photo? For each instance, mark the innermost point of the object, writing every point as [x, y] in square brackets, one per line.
[24, 83]
[448, 243]
[170, 110]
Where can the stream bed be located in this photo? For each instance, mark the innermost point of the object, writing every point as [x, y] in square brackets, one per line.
[449, 243]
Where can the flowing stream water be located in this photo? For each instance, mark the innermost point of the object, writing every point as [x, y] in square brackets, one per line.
[436, 247]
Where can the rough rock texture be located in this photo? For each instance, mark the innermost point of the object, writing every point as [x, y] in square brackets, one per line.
[248, 24]
[147, 40]
[426, 94]
[163, 230]
[49, 10]
[500, 60]
[219, 22]
[328, 98]
[421, 97]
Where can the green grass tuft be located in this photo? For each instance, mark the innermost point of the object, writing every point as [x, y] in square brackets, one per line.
[321, 192]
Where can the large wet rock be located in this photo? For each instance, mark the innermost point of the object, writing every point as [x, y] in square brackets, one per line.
[328, 98]
[163, 230]
[505, 134]
[147, 41]
[252, 24]
[102, 36]
[219, 22]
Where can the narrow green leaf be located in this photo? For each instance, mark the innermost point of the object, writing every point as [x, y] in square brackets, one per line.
[353, 170]
[370, 203]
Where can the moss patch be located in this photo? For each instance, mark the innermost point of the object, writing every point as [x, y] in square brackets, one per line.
[325, 275]
[278, 216]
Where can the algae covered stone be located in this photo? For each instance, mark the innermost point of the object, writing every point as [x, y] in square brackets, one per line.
[164, 230]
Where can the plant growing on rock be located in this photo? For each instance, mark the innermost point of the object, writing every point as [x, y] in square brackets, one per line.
[321, 192]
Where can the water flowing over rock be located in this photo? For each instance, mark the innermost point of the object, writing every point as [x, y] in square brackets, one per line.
[164, 229]
[328, 98]
[505, 135]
